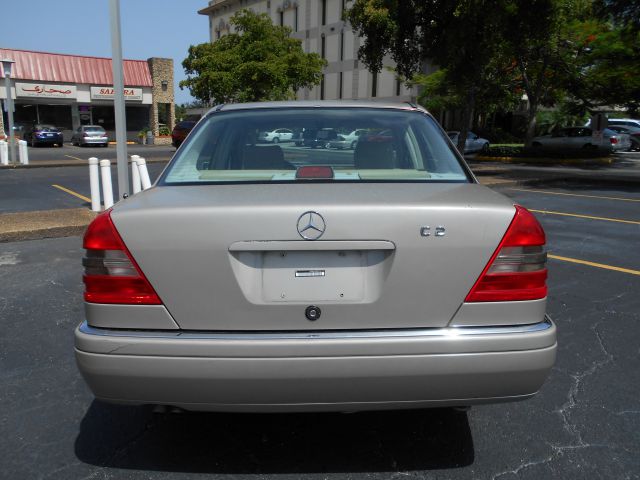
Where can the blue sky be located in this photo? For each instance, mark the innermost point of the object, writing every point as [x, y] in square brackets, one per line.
[150, 28]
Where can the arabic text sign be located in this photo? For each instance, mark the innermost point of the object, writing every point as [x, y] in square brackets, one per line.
[44, 90]
[106, 93]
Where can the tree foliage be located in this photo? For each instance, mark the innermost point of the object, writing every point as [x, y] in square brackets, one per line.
[463, 37]
[582, 54]
[258, 62]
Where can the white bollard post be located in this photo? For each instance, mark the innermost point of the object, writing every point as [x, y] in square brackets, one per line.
[94, 183]
[107, 188]
[4, 153]
[144, 174]
[135, 174]
[23, 152]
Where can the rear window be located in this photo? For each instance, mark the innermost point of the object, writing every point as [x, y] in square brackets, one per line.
[46, 128]
[394, 146]
[94, 129]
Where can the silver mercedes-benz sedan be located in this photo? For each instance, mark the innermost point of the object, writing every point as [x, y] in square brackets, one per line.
[260, 277]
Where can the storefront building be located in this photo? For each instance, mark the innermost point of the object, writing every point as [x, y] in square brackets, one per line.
[68, 91]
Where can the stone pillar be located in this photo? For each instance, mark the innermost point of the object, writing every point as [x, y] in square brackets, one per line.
[162, 90]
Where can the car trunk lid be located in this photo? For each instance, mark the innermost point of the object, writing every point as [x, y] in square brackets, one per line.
[389, 255]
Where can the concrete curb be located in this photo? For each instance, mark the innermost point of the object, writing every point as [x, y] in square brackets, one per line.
[44, 224]
[69, 163]
[546, 161]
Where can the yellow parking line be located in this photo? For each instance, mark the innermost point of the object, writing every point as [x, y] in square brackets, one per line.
[590, 217]
[593, 264]
[71, 192]
[75, 158]
[622, 199]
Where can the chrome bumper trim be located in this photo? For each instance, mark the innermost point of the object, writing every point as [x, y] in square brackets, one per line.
[447, 332]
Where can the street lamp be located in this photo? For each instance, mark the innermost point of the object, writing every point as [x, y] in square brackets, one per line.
[6, 68]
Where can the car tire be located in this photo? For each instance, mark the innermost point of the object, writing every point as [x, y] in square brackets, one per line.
[485, 148]
[353, 144]
[327, 145]
[275, 140]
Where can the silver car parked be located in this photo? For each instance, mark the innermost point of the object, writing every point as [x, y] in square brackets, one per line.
[90, 135]
[581, 138]
[257, 277]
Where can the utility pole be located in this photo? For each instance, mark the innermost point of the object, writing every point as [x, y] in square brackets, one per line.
[6, 68]
[118, 100]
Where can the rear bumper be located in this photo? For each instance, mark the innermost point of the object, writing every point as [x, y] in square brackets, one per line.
[317, 371]
[48, 140]
[94, 141]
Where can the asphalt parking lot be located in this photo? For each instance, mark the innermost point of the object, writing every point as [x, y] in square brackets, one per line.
[585, 422]
[69, 152]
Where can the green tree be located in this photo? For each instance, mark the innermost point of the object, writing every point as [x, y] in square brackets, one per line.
[259, 62]
[609, 65]
[538, 37]
[181, 112]
[464, 37]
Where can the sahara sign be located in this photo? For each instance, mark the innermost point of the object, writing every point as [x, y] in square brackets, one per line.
[45, 91]
[106, 93]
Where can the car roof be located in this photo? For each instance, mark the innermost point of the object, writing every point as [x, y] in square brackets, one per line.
[317, 104]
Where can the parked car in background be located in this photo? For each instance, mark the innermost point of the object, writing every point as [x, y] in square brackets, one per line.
[314, 138]
[348, 140]
[90, 135]
[633, 132]
[276, 136]
[180, 131]
[581, 138]
[473, 144]
[43, 135]
[257, 278]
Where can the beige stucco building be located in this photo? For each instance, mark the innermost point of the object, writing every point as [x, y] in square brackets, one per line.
[319, 24]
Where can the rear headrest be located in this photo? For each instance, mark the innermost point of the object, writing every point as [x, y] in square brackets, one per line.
[370, 155]
[268, 157]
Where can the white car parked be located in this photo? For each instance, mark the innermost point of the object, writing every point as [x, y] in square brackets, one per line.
[276, 136]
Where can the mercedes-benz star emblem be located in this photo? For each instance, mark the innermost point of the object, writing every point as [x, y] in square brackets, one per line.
[311, 225]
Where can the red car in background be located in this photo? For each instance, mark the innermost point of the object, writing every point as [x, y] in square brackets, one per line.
[180, 131]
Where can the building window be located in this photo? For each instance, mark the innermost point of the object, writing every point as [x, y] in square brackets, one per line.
[323, 46]
[218, 35]
[342, 45]
[324, 12]
[374, 85]
[322, 88]
[340, 85]
[281, 18]
[398, 86]
[295, 20]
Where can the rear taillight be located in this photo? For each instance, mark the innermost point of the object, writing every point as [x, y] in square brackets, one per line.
[613, 140]
[111, 275]
[517, 270]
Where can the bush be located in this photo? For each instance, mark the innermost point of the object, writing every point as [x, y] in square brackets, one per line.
[164, 131]
[498, 135]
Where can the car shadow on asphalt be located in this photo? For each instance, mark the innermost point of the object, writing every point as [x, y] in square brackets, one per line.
[409, 440]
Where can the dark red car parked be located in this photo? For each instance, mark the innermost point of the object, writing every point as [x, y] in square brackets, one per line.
[180, 132]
